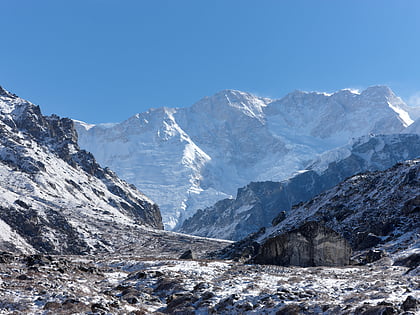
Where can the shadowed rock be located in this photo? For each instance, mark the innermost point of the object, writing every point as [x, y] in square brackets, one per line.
[312, 244]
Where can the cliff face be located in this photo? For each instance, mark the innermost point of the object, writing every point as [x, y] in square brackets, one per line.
[312, 244]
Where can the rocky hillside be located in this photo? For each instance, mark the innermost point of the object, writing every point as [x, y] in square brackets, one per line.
[55, 198]
[258, 203]
[375, 211]
[189, 158]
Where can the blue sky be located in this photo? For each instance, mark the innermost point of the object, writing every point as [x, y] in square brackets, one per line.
[103, 60]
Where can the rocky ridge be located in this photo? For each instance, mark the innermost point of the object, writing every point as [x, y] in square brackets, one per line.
[375, 212]
[258, 203]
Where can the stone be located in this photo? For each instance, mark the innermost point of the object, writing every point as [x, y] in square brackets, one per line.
[179, 303]
[377, 310]
[291, 309]
[374, 255]
[187, 255]
[6, 257]
[410, 304]
[98, 308]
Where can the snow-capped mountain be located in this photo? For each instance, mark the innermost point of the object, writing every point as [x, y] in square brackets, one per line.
[189, 158]
[257, 204]
[54, 197]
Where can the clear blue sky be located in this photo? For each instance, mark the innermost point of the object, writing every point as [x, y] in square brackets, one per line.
[103, 60]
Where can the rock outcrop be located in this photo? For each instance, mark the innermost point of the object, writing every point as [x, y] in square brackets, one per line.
[310, 245]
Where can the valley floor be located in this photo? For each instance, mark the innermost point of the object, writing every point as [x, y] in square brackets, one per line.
[129, 285]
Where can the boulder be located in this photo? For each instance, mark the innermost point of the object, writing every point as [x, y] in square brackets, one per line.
[312, 244]
[411, 304]
[187, 255]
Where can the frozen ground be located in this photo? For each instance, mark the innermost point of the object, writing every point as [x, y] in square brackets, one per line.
[133, 285]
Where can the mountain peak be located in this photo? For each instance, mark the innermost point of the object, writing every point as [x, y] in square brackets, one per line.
[5, 93]
[230, 92]
[223, 102]
[378, 90]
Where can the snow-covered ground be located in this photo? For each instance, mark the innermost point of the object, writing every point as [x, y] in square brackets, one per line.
[120, 285]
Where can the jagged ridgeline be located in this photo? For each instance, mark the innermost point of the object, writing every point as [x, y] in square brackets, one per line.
[54, 197]
[258, 203]
[232, 138]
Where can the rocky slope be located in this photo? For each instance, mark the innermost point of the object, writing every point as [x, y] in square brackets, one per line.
[131, 285]
[376, 212]
[258, 203]
[189, 158]
[55, 198]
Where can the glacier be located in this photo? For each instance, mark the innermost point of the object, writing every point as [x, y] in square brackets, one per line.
[188, 158]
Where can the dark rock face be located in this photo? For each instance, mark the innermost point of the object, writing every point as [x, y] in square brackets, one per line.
[411, 304]
[187, 255]
[56, 186]
[259, 203]
[60, 136]
[310, 245]
[31, 224]
[411, 261]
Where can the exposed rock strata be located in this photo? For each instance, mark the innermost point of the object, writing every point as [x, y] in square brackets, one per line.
[310, 245]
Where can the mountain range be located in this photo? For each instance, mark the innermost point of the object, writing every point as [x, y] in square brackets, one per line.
[75, 238]
[189, 158]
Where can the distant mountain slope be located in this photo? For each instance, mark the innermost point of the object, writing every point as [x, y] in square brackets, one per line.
[54, 197]
[189, 158]
[258, 203]
[374, 210]
[379, 207]
[414, 127]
